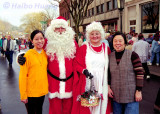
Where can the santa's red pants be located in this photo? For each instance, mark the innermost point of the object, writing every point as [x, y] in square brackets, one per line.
[60, 106]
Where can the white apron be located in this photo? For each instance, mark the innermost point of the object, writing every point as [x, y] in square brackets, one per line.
[95, 63]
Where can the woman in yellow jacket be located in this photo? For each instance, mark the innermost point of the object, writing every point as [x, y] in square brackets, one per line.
[33, 82]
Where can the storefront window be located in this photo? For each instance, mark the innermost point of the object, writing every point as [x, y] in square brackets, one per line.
[150, 17]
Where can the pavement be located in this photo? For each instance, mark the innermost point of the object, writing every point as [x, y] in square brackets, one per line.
[10, 98]
[154, 70]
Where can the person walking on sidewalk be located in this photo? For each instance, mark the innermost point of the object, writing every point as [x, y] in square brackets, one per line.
[155, 49]
[33, 81]
[1, 42]
[8, 47]
[142, 47]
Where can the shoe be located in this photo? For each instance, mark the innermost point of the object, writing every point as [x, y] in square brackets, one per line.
[148, 77]
[149, 63]
[156, 108]
[157, 64]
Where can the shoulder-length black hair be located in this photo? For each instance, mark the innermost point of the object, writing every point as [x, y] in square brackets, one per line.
[36, 32]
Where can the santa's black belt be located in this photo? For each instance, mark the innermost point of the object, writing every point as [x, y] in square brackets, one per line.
[55, 77]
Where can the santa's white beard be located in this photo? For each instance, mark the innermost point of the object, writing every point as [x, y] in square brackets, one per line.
[61, 45]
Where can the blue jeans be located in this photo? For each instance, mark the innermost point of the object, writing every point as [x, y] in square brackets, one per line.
[157, 57]
[126, 108]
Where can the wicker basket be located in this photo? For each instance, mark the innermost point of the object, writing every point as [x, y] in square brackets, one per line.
[90, 98]
[85, 102]
[94, 102]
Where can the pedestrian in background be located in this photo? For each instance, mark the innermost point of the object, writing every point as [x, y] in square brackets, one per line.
[19, 44]
[150, 38]
[30, 44]
[105, 40]
[142, 48]
[155, 49]
[110, 37]
[80, 41]
[9, 46]
[33, 82]
[135, 38]
[0, 45]
[1, 42]
[125, 77]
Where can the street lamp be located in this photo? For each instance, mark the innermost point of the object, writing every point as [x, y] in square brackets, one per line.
[120, 4]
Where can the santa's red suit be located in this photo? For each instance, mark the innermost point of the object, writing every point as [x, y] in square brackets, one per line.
[61, 49]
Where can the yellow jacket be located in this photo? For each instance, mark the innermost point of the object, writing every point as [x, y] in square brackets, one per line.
[33, 81]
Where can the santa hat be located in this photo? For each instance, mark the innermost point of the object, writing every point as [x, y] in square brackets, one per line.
[95, 26]
[59, 22]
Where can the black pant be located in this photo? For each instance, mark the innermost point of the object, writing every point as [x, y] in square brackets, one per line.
[145, 66]
[157, 102]
[35, 105]
[2, 51]
[9, 55]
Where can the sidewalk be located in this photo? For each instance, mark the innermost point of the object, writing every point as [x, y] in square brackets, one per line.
[154, 70]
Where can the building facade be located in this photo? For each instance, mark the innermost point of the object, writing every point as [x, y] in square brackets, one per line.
[106, 12]
[140, 16]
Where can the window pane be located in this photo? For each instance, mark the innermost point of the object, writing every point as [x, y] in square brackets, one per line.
[88, 13]
[114, 4]
[98, 9]
[133, 22]
[85, 14]
[92, 11]
[109, 5]
[150, 17]
[102, 8]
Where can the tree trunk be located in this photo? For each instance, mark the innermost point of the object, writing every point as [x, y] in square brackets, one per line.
[77, 32]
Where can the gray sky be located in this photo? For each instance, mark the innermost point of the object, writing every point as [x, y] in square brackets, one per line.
[13, 10]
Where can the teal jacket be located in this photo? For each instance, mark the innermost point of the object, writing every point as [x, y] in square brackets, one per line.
[0, 42]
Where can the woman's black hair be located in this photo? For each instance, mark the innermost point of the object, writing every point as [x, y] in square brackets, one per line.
[36, 32]
[140, 36]
[123, 35]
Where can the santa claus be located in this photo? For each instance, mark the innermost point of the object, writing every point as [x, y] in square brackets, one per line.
[61, 48]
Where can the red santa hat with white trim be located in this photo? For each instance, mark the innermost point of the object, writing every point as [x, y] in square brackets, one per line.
[59, 22]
